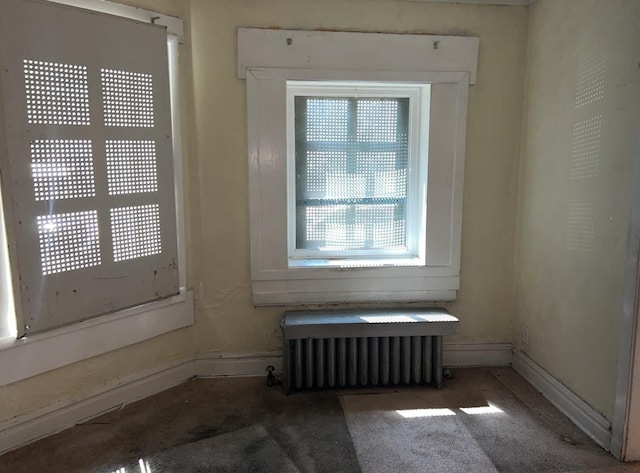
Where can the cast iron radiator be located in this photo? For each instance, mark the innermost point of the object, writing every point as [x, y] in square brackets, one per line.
[348, 348]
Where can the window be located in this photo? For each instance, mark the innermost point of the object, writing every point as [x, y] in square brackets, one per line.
[356, 161]
[92, 197]
[357, 173]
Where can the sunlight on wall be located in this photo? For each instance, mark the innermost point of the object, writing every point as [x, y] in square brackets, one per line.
[8, 326]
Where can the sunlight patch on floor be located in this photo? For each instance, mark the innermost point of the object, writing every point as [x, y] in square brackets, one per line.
[417, 413]
[143, 464]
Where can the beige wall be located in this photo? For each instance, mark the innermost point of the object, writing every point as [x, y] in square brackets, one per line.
[216, 181]
[228, 321]
[573, 217]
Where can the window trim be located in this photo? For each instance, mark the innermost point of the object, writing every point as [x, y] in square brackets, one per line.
[266, 59]
[418, 95]
[337, 283]
[23, 358]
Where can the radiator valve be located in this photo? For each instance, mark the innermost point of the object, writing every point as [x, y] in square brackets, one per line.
[272, 378]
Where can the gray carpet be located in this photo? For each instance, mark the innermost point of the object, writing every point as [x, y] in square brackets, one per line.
[243, 451]
[486, 429]
[386, 441]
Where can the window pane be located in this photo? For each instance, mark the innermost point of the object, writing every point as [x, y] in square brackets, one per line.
[327, 119]
[377, 226]
[351, 173]
[377, 120]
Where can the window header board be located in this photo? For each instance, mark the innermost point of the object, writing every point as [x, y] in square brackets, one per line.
[285, 49]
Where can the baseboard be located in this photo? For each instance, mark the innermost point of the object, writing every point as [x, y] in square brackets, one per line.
[477, 354]
[231, 364]
[584, 416]
[28, 428]
[254, 364]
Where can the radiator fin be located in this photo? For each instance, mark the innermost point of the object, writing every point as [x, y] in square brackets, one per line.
[361, 361]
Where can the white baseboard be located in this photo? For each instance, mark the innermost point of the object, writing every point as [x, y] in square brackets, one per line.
[584, 416]
[477, 354]
[28, 428]
[236, 365]
[71, 344]
[254, 364]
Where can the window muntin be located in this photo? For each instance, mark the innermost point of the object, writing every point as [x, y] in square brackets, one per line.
[356, 161]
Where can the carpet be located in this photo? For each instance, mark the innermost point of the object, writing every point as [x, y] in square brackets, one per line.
[243, 451]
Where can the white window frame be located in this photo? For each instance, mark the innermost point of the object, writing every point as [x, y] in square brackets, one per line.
[267, 59]
[418, 126]
[32, 355]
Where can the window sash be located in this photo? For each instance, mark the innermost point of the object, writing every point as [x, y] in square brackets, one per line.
[340, 162]
[415, 97]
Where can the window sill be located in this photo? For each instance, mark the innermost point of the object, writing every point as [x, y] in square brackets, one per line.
[355, 263]
[23, 358]
[354, 287]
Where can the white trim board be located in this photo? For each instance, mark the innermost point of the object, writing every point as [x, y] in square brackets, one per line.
[478, 354]
[236, 365]
[175, 26]
[254, 364]
[30, 356]
[355, 51]
[584, 416]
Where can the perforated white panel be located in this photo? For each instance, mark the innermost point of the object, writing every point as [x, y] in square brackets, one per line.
[127, 98]
[62, 169]
[377, 120]
[581, 225]
[131, 166]
[345, 227]
[386, 173]
[136, 232]
[86, 99]
[591, 76]
[317, 164]
[68, 241]
[327, 119]
[585, 149]
[56, 94]
[345, 186]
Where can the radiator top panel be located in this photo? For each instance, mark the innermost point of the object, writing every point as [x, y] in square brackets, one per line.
[368, 323]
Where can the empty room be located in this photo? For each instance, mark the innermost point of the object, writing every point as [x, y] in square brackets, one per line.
[319, 236]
